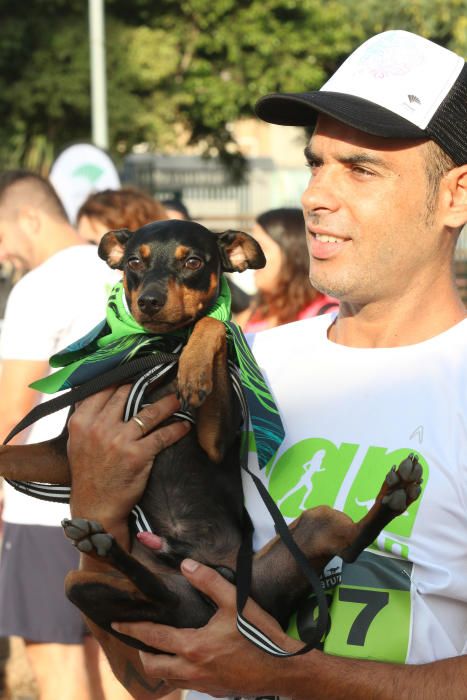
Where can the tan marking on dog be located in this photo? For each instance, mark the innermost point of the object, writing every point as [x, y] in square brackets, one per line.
[214, 281]
[181, 252]
[145, 252]
[115, 250]
[237, 257]
[195, 300]
[131, 298]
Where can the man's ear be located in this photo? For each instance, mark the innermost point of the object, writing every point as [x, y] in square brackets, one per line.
[239, 251]
[30, 220]
[455, 197]
[112, 247]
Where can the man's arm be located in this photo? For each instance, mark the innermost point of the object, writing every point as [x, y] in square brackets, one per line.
[16, 398]
[217, 660]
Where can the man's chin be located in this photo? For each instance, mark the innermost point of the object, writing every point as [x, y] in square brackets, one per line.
[331, 289]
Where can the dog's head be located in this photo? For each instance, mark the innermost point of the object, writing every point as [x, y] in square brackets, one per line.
[171, 269]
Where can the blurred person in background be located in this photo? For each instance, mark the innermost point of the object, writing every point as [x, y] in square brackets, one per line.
[60, 298]
[284, 291]
[176, 209]
[127, 207]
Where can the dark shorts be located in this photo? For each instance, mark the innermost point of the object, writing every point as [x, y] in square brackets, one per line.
[33, 564]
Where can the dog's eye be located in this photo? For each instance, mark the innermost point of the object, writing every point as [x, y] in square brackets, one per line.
[134, 263]
[193, 263]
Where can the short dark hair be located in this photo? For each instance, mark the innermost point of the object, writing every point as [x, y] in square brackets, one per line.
[177, 205]
[50, 201]
[438, 163]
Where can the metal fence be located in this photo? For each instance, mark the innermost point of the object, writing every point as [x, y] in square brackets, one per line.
[205, 186]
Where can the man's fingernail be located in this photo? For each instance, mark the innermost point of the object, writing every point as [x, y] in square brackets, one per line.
[115, 626]
[189, 565]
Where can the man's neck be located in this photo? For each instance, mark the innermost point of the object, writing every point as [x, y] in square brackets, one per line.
[54, 238]
[397, 323]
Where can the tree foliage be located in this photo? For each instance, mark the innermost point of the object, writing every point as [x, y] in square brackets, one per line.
[180, 67]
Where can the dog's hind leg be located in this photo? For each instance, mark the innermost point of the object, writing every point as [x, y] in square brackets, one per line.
[91, 539]
[168, 594]
[45, 462]
[401, 487]
[106, 598]
[321, 533]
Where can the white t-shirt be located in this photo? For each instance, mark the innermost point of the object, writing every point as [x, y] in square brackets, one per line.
[50, 307]
[350, 414]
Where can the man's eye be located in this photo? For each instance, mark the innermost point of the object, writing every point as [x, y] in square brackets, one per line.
[360, 170]
[135, 264]
[193, 263]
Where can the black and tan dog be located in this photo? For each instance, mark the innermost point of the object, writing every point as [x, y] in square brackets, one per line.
[171, 278]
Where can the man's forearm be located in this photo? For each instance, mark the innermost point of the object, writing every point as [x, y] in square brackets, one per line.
[318, 675]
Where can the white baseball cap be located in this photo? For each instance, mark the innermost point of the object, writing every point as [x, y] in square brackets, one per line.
[395, 85]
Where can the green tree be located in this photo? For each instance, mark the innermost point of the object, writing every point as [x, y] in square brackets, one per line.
[178, 68]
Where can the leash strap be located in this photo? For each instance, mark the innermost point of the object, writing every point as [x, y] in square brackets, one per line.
[158, 363]
[244, 572]
[117, 375]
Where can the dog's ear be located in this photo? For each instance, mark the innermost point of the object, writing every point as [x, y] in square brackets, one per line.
[239, 251]
[112, 247]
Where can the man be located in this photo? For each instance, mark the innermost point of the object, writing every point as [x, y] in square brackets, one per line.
[61, 297]
[386, 377]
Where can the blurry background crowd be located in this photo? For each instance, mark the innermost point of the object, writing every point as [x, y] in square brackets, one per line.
[178, 137]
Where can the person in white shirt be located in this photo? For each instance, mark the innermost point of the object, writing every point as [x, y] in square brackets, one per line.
[60, 298]
[357, 391]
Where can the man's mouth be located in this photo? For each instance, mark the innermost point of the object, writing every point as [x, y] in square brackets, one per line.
[326, 239]
[325, 245]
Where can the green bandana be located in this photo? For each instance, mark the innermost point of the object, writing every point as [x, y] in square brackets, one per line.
[118, 338]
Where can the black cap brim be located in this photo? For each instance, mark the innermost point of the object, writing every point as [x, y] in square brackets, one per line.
[303, 108]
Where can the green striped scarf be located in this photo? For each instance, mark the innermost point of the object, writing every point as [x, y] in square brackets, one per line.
[118, 338]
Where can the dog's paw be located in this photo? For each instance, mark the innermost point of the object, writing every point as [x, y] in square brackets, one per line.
[403, 484]
[195, 381]
[88, 536]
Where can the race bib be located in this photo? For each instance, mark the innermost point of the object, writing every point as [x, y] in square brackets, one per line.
[370, 611]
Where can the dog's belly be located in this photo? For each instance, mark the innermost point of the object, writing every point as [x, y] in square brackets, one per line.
[195, 505]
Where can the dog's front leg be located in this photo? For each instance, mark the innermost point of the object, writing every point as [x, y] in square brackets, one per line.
[204, 384]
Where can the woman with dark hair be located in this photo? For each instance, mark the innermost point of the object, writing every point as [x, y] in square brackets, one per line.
[284, 290]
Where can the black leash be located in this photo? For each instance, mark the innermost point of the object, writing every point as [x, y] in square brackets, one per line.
[244, 572]
[118, 375]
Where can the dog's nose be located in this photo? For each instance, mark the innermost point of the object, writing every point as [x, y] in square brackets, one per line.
[149, 304]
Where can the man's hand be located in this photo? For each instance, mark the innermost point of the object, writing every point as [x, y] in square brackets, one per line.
[111, 460]
[215, 659]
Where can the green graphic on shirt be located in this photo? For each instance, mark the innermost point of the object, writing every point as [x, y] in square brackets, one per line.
[370, 612]
[375, 465]
[309, 474]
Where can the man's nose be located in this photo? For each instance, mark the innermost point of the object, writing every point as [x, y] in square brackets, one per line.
[321, 193]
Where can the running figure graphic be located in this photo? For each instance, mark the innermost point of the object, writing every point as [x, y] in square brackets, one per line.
[306, 481]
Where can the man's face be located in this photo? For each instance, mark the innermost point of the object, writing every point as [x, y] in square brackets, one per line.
[368, 232]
